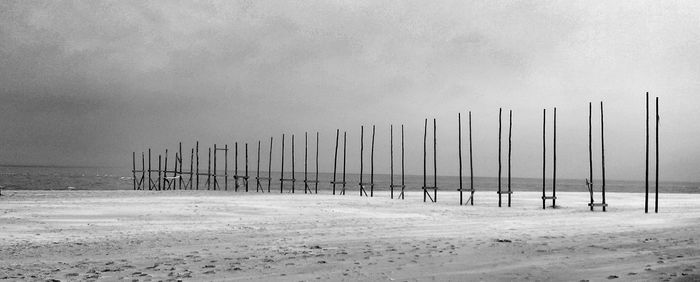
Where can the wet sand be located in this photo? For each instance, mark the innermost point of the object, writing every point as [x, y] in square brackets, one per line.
[219, 235]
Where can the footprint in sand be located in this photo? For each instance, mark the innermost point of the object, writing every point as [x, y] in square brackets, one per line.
[612, 277]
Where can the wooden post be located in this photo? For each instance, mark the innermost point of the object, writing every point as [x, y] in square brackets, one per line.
[590, 151]
[257, 173]
[362, 154]
[306, 159]
[215, 182]
[191, 167]
[459, 146]
[656, 178]
[159, 170]
[335, 158]
[345, 150]
[133, 168]
[165, 171]
[143, 171]
[316, 182]
[402, 166]
[510, 133]
[180, 161]
[150, 182]
[293, 178]
[435, 185]
[197, 173]
[246, 166]
[209, 171]
[499, 157]
[269, 168]
[235, 166]
[554, 159]
[544, 118]
[371, 166]
[471, 166]
[226, 167]
[425, 156]
[646, 172]
[391, 160]
[602, 152]
[282, 168]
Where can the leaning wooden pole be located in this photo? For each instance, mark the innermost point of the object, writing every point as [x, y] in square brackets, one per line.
[269, 168]
[646, 172]
[133, 168]
[459, 146]
[602, 153]
[335, 159]
[362, 148]
[656, 178]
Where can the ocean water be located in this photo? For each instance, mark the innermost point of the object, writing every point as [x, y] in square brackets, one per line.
[95, 178]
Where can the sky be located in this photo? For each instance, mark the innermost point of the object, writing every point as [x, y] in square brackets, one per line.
[86, 83]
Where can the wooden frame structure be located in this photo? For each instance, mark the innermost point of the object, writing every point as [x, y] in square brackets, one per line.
[544, 156]
[291, 179]
[362, 148]
[140, 183]
[391, 181]
[258, 185]
[306, 159]
[425, 187]
[335, 162]
[471, 168]
[509, 192]
[589, 183]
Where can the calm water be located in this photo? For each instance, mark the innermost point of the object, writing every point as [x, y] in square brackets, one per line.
[63, 178]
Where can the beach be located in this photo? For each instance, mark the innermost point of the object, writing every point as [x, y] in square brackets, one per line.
[226, 235]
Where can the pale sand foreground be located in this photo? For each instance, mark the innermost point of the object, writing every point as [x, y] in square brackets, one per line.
[212, 235]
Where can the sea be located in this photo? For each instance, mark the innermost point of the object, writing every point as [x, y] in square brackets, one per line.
[121, 178]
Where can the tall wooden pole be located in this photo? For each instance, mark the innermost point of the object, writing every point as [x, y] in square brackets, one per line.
[306, 159]
[656, 178]
[246, 166]
[335, 158]
[143, 171]
[425, 156]
[149, 170]
[191, 167]
[214, 171]
[435, 161]
[544, 159]
[226, 167]
[602, 152]
[209, 171]
[391, 160]
[269, 168]
[471, 166]
[402, 165]
[159, 170]
[316, 182]
[133, 167]
[165, 170]
[459, 144]
[590, 150]
[371, 166]
[510, 134]
[282, 168]
[345, 150]
[235, 165]
[293, 161]
[180, 161]
[499, 157]
[554, 160]
[646, 173]
[197, 173]
[257, 174]
[362, 147]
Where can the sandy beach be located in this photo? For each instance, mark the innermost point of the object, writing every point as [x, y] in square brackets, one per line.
[220, 235]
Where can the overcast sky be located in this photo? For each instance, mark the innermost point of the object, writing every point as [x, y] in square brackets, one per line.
[88, 82]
